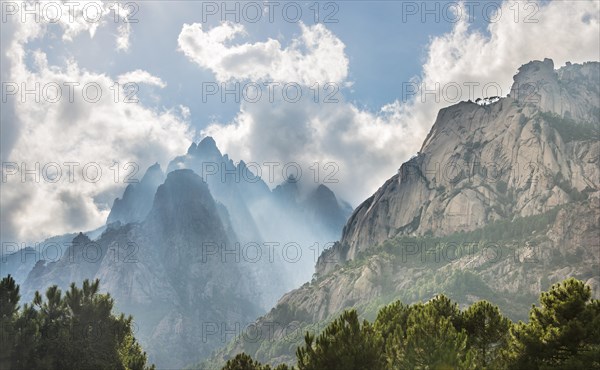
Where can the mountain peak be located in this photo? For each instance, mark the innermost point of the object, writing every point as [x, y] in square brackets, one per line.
[183, 205]
[153, 171]
[183, 185]
[207, 143]
[324, 190]
[81, 238]
[553, 91]
[207, 149]
[208, 140]
[193, 147]
[288, 190]
[136, 201]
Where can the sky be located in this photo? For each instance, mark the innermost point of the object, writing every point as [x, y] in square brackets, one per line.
[331, 89]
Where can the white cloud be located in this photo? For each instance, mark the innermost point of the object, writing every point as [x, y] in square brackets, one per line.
[369, 147]
[124, 32]
[75, 17]
[141, 76]
[96, 133]
[560, 30]
[316, 56]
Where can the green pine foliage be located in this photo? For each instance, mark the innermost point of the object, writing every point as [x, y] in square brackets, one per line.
[345, 344]
[76, 330]
[487, 334]
[563, 333]
[244, 362]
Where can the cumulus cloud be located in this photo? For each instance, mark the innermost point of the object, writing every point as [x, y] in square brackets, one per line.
[369, 146]
[141, 76]
[316, 56]
[560, 30]
[77, 144]
[74, 17]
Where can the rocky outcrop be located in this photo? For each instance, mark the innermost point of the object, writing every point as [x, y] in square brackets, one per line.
[521, 156]
[571, 91]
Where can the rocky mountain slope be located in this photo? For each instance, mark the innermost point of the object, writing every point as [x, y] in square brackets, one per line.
[164, 272]
[501, 201]
[193, 255]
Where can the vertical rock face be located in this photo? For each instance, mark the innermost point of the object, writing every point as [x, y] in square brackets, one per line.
[520, 156]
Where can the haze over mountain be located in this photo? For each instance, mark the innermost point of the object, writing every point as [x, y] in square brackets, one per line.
[189, 256]
[500, 202]
[336, 185]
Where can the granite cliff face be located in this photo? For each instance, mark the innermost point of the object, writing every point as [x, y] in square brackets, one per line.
[520, 156]
[501, 201]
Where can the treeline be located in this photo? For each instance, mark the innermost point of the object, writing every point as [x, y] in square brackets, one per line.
[562, 333]
[76, 330]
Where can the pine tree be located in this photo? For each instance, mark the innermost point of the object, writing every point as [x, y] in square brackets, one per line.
[242, 362]
[74, 331]
[344, 345]
[9, 308]
[562, 333]
[431, 342]
[445, 307]
[392, 320]
[488, 334]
